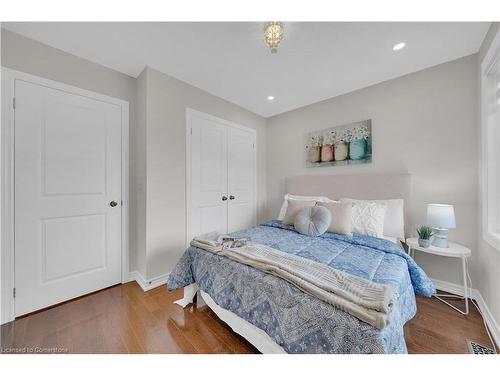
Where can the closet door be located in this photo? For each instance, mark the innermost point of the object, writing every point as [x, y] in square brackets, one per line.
[241, 179]
[208, 176]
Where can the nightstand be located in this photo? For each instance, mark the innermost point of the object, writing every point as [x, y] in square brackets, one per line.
[454, 251]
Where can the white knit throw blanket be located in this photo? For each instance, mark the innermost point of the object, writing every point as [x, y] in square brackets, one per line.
[368, 301]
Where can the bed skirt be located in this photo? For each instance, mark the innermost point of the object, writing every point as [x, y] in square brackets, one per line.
[254, 335]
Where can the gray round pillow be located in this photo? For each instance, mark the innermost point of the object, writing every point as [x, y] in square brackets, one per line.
[313, 221]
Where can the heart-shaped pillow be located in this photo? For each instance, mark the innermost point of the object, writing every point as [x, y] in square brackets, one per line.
[313, 221]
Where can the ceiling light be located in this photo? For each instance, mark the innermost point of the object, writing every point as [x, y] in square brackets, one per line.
[398, 46]
[273, 34]
[270, 97]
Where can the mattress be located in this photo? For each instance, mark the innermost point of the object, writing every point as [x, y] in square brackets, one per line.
[298, 322]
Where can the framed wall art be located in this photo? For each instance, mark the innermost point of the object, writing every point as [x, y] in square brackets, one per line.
[340, 145]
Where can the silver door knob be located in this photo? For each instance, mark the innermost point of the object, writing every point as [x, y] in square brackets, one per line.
[113, 204]
[231, 197]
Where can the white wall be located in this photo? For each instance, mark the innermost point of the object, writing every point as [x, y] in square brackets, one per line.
[488, 267]
[424, 124]
[166, 101]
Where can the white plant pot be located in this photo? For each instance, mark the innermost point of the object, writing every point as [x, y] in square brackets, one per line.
[424, 243]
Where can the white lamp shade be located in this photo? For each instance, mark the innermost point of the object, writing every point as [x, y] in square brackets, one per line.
[440, 216]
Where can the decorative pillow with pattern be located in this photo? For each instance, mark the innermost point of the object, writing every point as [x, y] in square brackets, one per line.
[394, 222]
[368, 218]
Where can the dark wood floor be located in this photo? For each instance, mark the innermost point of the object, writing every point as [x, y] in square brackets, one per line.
[124, 319]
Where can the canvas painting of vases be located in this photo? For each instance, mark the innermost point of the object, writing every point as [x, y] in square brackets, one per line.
[340, 145]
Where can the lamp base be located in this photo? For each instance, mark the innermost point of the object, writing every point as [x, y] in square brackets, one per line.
[440, 237]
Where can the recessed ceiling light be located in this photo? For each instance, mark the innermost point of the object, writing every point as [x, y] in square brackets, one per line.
[270, 97]
[398, 46]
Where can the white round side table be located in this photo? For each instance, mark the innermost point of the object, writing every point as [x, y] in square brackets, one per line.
[453, 251]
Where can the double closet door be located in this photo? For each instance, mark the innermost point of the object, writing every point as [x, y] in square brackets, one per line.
[221, 176]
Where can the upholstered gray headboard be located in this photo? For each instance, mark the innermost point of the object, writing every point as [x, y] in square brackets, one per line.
[357, 186]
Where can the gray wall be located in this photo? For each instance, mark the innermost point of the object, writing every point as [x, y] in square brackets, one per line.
[167, 100]
[424, 124]
[26, 55]
[140, 176]
[489, 258]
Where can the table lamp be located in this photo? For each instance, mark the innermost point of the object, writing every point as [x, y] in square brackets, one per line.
[441, 217]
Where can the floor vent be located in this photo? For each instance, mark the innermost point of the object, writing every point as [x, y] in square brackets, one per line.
[475, 348]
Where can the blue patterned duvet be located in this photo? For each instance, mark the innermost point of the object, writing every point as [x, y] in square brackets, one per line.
[298, 322]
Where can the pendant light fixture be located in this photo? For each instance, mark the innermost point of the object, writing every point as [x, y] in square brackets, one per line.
[273, 33]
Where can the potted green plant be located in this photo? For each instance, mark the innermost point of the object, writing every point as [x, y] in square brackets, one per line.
[424, 235]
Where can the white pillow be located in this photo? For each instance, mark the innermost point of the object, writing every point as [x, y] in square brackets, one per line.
[293, 208]
[368, 218]
[394, 222]
[341, 213]
[306, 198]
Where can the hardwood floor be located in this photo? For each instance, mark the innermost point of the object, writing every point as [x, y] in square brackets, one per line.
[438, 329]
[124, 319]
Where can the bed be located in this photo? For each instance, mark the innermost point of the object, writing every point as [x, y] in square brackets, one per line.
[274, 315]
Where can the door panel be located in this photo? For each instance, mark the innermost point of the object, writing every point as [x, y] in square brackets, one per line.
[72, 245]
[241, 180]
[69, 150]
[68, 170]
[208, 176]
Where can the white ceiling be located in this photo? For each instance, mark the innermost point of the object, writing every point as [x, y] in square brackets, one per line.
[315, 61]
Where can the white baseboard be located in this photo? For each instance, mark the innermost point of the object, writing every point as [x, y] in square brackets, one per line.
[148, 284]
[452, 288]
[493, 325]
[488, 317]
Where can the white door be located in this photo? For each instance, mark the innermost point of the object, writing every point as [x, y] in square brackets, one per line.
[208, 176]
[222, 176]
[241, 180]
[67, 173]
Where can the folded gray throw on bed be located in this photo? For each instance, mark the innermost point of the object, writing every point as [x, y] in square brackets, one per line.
[368, 301]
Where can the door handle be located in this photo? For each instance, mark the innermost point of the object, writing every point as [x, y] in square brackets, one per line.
[113, 204]
[231, 197]
[224, 198]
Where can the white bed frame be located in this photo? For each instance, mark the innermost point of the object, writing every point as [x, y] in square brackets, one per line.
[361, 186]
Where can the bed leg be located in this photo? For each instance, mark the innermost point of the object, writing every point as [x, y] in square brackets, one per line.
[189, 293]
[200, 302]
